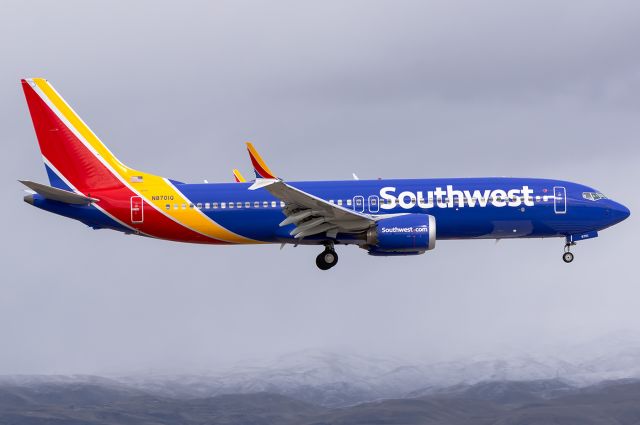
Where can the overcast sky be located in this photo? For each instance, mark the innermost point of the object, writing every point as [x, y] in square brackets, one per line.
[411, 89]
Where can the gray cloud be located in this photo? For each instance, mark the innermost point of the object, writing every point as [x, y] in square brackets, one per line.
[389, 89]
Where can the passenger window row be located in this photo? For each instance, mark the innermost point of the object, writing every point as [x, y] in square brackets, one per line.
[349, 202]
[226, 205]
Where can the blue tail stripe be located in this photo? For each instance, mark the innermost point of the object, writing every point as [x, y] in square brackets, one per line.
[55, 180]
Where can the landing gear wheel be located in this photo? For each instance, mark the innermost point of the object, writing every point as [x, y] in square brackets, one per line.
[327, 259]
[567, 257]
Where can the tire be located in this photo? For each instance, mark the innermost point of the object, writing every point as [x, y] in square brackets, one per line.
[567, 257]
[327, 259]
[330, 257]
[322, 265]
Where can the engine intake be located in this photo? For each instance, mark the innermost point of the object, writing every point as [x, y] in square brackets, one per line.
[402, 235]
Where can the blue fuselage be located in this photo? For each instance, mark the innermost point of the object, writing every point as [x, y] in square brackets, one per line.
[463, 207]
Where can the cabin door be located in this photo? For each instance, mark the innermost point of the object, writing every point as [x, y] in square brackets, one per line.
[559, 200]
[137, 209]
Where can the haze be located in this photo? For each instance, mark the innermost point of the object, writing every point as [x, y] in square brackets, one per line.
[403, 89]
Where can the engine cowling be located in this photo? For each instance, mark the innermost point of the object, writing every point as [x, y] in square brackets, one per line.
[407, 234]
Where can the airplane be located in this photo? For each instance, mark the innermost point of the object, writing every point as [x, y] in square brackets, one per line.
[396, 217]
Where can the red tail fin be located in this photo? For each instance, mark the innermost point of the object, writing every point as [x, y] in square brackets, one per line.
[72, 153]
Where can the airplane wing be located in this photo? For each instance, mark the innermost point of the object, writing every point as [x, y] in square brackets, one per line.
[239, 177]
[312, 215]
[60, 195]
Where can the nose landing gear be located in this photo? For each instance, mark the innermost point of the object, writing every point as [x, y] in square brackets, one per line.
[567, 257]
[327, 258]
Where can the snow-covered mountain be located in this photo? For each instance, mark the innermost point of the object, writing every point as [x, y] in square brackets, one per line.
[340, 379]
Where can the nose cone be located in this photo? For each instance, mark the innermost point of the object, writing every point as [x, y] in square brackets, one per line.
[618, 212]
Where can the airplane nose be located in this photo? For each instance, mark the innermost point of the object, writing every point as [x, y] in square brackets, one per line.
[618, 212]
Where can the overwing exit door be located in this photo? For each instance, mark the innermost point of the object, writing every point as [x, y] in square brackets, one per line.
[374, 204]
[358, 203]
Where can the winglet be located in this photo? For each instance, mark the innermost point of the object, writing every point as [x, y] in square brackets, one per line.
[239, 177]
[259, 166]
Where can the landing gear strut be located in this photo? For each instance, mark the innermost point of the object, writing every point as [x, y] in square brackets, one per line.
[327, 258]
[567, 257]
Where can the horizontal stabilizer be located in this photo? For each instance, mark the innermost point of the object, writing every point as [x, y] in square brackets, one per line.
[60, 195]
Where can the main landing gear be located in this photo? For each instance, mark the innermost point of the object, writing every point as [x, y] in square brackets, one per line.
[327, 258]
[567, 257]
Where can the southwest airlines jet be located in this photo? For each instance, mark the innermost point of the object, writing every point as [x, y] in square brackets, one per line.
[384, 217]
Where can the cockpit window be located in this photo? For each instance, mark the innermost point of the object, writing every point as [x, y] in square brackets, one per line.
[593, 196]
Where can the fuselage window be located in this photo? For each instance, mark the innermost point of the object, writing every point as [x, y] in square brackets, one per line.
[331, 201]
[214, 205]
[175, 206]
[281, 204]
[184, 206]
[247, 204]
[207, 205]
[168, 207]
[348, 202]
[199, 205]
[256, 204]
[339, 201]
[222, 205]
[273, 204]
[265, 204]
[238, 204]
[230, 204]
[190, 205]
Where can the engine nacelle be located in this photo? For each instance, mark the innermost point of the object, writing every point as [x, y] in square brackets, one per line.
[402, 235]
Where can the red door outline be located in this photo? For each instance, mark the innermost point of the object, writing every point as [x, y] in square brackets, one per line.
[137, 209]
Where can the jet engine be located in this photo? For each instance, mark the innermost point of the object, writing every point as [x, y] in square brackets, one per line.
[407, 234]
